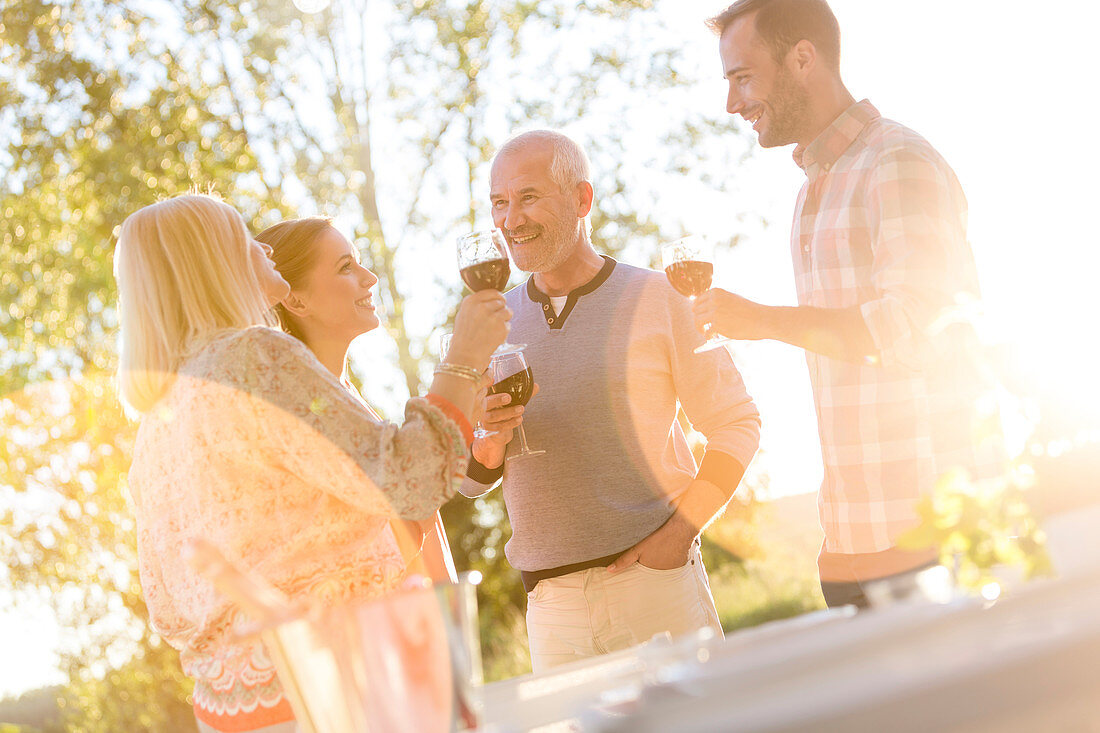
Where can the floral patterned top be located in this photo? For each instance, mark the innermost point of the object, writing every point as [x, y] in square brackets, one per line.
[258, 449]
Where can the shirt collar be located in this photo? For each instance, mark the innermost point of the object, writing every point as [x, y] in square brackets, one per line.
[605, 272]
[820, 155]
[556, 320]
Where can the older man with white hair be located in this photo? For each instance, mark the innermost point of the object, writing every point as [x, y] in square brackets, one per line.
[606, 522]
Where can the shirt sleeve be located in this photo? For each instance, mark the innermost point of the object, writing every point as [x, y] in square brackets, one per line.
[479, 479]
[714, 398]
[315, 429]
[922, 267]
[472, 488]
[448, 408]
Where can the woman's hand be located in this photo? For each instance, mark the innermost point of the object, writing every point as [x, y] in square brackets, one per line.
[481, 325]
[501, 421]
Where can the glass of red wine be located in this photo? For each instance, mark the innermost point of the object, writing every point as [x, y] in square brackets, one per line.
[512, 375]
[689, 266]
[483, 265]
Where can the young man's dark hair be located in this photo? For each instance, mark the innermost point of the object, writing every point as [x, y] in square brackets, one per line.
[783, 23]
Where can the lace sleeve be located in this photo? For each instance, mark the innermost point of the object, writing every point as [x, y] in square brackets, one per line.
[315, 429]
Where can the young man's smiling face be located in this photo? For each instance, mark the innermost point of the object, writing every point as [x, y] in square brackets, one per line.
[762, 91]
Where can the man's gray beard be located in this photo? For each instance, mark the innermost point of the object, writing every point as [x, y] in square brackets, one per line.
[549, 258]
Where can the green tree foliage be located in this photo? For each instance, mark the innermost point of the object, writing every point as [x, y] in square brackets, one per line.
[107, 119]
[980, 528]
[381, 114]
[71, 534]
[477, 530]
[35, 711]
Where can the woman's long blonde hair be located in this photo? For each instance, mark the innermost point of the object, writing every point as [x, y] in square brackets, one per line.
[184, 274]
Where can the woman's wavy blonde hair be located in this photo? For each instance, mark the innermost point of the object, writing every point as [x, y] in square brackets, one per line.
[184, 274]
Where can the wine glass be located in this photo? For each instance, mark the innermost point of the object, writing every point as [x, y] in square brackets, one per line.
[483, 265]
[689, 266]
[512, 375]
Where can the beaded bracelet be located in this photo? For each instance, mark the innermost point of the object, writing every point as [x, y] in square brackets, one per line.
[459, 370]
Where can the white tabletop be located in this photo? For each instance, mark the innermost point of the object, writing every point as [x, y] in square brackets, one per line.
[1026, 663]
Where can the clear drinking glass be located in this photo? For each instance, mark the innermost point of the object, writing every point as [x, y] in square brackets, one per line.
[689, 266]
[444, 347]
[512, 375]
[483, 265]
[408, 661]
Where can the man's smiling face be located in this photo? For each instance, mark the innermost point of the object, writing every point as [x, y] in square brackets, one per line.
[762, 91]
[539, 220]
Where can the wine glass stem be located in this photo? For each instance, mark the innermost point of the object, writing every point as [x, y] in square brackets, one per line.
[522, 441]
[706, 326]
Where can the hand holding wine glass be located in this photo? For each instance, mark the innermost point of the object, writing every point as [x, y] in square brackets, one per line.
[511, 386]
[498, 424]
[481, 325]
[733, 316]
[512, 376]
[689, 266]
[483, 265]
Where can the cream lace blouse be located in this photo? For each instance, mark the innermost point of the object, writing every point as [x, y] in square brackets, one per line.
[257, 448]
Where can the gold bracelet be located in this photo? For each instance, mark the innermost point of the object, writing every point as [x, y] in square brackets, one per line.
[459, 370]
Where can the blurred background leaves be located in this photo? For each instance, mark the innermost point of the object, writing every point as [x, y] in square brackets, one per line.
[380, 114]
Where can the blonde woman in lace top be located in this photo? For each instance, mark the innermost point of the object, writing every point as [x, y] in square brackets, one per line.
[248, 441]
[329, 305]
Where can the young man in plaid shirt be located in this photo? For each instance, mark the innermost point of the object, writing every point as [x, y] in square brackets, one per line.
[882, 268]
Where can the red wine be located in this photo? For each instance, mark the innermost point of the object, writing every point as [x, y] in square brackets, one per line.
[491, 274]
[519, 385]
[690, 277]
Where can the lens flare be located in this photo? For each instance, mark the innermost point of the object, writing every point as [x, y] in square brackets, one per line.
[311, 6]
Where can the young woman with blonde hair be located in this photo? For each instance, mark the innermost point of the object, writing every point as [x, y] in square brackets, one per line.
[330, 304]
[249, 442]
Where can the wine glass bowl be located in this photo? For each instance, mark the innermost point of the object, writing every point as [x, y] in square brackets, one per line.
[512, 375]
[483, 260]
[689, 267]
[483, 265]
[519, 386]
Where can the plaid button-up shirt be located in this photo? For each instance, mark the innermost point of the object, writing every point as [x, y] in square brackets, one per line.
[881, 224]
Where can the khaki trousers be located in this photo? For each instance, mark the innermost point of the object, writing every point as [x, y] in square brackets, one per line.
[592, 612]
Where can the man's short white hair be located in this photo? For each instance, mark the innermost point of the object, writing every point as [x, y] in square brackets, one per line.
[568, 162]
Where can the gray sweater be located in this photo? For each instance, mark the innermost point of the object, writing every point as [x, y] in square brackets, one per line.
[610, 369]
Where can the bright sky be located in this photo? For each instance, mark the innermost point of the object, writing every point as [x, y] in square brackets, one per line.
[1000, 88]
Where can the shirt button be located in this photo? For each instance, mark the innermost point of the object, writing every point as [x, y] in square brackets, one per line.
[806, 248]
[827, 166]
[550, 320]
[546, 307]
